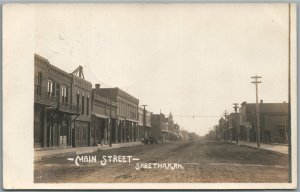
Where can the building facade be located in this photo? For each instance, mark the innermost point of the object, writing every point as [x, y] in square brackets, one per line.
[234, 126]
[158, 124]
[222, 132]
[81, 96]
[69, 113]
[273, 122]
[144, 130]
[125, 124]
[167, 131]
[103, 120]
[185, 135]
[53, 107]
[176, 131]
[164, 128]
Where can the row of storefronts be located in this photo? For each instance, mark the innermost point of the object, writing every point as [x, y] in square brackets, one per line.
[241, 125]
[165, 129]
[68, 112]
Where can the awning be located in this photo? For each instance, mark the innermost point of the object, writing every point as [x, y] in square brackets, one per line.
[101, 116]
[135, 121]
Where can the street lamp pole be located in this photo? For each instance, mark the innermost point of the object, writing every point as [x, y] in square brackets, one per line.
[256, 82]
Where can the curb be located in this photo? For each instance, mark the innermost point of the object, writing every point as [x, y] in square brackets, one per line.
[264, 150]
[53, 156]
[259, 149]
[78, 152]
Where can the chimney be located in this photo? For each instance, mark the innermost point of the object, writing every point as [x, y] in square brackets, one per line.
[97, 86]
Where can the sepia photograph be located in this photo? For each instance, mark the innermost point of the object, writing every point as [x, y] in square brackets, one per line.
[150, 96]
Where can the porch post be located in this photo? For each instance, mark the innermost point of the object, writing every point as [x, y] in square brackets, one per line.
[44, 144]
[116, 128]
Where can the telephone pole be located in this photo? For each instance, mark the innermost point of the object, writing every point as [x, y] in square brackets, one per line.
[226, 125]
[257, 82]
[144, 121]
[235, 106]
[109, 126]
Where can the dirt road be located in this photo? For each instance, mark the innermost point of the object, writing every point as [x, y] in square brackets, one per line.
[196, 161]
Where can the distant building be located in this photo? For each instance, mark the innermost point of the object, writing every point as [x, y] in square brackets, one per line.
[173, 131]
[233, 126]
[222, 129]
[273, 122]
[167, 133]
[176, 130]
[185, 135]
[158, 125]
[144, 116]
[164, 128]
[193, 136]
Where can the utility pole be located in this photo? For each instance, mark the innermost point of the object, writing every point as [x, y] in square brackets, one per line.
[256, 82]
[109, 128]
[226, 125]
[144, 120]
[235, 106]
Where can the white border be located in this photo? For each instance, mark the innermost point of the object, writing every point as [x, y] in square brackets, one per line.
[18, 49]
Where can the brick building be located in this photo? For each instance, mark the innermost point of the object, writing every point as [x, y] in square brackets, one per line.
[164, 128]
[53, 107]
[103, 120]
[81, 91]
[159, 124]
[167, 133]
[273, 122]
[144, 130]
[125, 124]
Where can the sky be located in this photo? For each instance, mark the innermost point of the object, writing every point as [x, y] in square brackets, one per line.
[188, 59]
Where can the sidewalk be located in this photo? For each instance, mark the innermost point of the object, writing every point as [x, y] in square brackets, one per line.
[270, 147]
[40, 154]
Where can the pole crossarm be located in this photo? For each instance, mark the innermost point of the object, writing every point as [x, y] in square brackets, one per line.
[235, 106]
[225, 114]
[256, 77]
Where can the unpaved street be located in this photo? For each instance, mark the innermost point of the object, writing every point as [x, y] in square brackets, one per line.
[201, 161]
